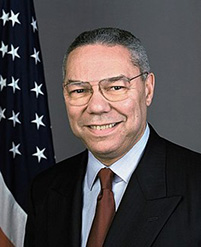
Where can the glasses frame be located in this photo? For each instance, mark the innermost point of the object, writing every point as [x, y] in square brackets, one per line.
[88, 82]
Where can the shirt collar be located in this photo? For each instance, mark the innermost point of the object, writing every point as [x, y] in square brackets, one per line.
[124, 167]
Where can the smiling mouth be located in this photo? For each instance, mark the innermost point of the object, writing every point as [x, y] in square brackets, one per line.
[103, 127]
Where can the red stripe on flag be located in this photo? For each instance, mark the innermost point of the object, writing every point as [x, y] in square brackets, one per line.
[4, 241]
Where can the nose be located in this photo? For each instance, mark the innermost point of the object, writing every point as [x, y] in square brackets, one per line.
[98, 104]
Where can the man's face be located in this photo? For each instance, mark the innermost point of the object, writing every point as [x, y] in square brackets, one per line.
[108, 129]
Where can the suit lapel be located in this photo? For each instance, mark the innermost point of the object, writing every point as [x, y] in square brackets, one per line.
[145, 207]
[65, 206]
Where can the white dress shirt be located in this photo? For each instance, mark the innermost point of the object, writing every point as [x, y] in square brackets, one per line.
[122, 168]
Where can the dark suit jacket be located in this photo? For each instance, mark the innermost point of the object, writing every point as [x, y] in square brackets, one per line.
[160, 208]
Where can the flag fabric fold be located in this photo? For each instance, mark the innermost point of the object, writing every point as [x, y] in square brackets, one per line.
[26, 146]
[12, 218]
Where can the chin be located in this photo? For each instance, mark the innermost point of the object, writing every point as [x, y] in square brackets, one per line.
[104, 152]
[100, 151]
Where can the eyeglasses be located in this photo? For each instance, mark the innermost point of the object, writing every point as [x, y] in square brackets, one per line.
[113, 89]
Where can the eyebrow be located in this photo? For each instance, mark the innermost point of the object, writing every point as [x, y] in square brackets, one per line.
[73, 82]
[114, 78]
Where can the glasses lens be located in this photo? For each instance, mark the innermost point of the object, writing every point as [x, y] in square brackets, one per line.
[79, 93]
[115, 89]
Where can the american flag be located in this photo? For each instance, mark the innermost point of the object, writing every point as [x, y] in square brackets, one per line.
[25, 133]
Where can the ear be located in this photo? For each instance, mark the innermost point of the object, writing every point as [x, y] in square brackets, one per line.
[149, 88]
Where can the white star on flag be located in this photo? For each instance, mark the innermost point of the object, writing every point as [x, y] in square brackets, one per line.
[15, 149]
[3, 49]
[13, 52]
[14, 18]
[2, 82]
[38, 121]
[14, 84]
[34, 25]
[4, 17]
[36, 56]
[2, 113]
[37, 89]
[40, 154]
[14, 118]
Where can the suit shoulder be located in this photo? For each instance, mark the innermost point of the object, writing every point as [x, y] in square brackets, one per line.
[175, 153]
[59, 171]
[179, 152]
[183, 165]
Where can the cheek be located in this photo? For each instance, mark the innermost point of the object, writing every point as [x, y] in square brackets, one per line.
[134, 105]
[135, 109]
[73, 117]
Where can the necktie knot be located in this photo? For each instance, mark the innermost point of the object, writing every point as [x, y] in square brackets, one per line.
[106, 177]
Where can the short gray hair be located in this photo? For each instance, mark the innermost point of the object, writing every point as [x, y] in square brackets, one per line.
[112, 37]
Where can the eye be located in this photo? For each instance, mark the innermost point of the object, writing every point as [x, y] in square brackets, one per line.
[116, 88]
[78, 91]
[75, 89]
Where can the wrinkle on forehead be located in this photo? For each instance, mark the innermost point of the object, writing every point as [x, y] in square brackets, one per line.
[96, 62]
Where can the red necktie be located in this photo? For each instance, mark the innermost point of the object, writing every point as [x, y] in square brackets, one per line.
[105, 210]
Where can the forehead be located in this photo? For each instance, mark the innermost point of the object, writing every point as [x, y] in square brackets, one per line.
[98, 61]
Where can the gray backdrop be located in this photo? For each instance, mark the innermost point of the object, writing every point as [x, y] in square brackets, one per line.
[170, 31]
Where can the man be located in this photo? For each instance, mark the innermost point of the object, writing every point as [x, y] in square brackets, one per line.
[156, 184]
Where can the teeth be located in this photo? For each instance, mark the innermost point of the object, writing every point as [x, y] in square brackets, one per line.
[102, 127]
